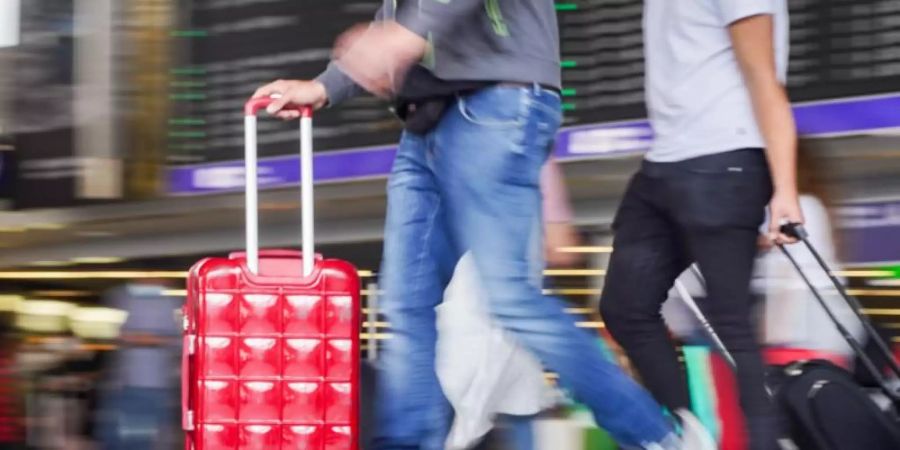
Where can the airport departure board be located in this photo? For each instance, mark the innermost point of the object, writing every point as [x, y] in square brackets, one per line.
[838, 48]
[226, 48]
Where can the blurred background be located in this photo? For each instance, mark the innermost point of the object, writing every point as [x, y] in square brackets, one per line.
[120, 146]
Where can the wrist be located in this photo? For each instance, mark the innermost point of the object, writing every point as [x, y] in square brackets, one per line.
[321, 94]
[787, 190]
[785, 184]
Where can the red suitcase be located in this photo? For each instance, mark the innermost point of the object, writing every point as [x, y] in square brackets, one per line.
[271, 338]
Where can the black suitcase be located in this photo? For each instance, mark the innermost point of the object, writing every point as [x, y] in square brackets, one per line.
[824, 407]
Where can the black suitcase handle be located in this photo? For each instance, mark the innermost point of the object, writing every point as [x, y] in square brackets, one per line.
[798, 232]
[795, 230]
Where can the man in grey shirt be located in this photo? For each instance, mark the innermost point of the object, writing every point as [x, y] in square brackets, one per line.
[478, 83]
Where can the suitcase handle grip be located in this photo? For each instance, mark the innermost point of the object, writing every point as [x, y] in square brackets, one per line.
[795, 230]
[254, 105]
[252, 189]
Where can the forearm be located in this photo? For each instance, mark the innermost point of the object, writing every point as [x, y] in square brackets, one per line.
[338, 86]
[557, 208]
[752, 39]
[776, 123]
[559, 232]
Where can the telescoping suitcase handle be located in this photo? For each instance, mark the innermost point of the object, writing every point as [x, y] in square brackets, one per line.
[689, 301]
[798, 232]
[251, 108]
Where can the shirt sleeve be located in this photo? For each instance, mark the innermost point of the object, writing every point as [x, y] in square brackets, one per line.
[731, 11]
[338, 86]
[556, 197]
[436, 17]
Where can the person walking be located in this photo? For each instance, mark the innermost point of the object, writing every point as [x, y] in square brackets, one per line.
[478, 85]
[724, 148]
[140, 400]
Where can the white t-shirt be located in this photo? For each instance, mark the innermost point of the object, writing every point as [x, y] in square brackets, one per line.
[696, 96]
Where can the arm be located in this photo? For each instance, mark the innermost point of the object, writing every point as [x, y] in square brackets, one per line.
[338, 86]
[379, 58]
[558, 229]
[331, 87]
[556, 197]
[752, 40]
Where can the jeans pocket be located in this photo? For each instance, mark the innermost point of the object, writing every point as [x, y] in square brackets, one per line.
[714, 199]
[495, 107]
[543, 121]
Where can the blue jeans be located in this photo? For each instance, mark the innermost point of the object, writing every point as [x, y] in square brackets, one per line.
[471, 184]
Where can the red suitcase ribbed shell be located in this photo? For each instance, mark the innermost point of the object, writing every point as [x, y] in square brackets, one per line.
[271, 360]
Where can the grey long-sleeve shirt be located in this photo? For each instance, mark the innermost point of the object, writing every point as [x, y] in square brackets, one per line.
[473, 40]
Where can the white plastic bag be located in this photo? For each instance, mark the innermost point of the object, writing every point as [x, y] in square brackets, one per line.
[482, 370]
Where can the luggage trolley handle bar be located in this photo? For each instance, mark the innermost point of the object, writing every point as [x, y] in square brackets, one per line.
[251, 108]
[689, 301]
[798, 232]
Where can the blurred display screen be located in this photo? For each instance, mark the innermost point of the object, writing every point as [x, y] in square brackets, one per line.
[839, 48]
[40, 84]
[237, 45]
[41, 74]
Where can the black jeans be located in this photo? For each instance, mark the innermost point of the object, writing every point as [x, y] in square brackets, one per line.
[705, 210]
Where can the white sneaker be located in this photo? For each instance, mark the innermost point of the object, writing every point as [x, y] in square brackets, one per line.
[694, 436]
